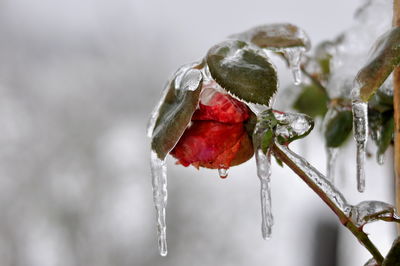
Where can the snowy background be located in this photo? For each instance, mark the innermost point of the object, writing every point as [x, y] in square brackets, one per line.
[78, 80]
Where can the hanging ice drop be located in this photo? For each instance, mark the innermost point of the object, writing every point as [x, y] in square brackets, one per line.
[223, 173]
[331, 162]
[264, 173]
[381, 158]
[160, 195]
[360, 128]
[293, 55]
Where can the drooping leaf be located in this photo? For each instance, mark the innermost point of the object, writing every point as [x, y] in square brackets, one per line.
[384, 57]
[338, 128]
[311, 101]
[267, 140]
[276, 36]
[243, 71]
[393, 257]
[175, 113]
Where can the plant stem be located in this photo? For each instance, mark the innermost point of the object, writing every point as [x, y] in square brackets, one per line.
[396, 105]
[344, 219]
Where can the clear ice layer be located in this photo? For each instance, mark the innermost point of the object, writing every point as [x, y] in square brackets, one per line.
[371, 211]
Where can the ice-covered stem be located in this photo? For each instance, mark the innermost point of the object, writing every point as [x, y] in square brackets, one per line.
[337, 205]
[396, 105]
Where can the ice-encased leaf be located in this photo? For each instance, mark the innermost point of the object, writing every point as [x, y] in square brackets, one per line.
[275, 36]
[338, 125]
[176, 110]
[393, 257]
[292, 126]
[384, 57]
[243, 71]
[311, 101]
[371, 211]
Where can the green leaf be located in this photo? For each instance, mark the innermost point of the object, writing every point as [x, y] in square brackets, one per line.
[338, 128]
[385, 56]
[275, 36]
[386, 136]
[393, 257]
[174, 116]
[243, 71]
[311, 101]
[267, 140]
[263, 133]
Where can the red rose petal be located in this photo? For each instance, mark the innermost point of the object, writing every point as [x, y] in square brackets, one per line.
[209, 143]
[223, 108]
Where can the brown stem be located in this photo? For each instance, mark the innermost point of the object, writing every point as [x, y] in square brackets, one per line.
[344, 219]
[314, 80]
[396, 104]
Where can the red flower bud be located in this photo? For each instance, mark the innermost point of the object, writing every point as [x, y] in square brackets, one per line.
[217, 137]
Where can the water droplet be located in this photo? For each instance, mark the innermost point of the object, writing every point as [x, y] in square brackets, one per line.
[223, 173]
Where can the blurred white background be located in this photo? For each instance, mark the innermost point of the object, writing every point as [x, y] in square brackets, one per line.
[78, 80]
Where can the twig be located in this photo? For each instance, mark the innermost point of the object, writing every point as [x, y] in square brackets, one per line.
[396, 105]
[344, 219]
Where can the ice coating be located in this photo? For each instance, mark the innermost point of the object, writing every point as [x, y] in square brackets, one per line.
[189, 83]
[352, 47]
[360, 129]
[190, 80]
[371, 211]
[331, 162]
[317, 179]
[160, 195]
[264, 173]
[292, 125]
[293, 55]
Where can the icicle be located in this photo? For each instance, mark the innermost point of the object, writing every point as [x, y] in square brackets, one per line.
[371, 262]
[371, 211]
[264, 173]
[317, 178]
[160, 195]
[381, 158]
[331, 162]
[360, 128]
[223, 173]
[293, 55]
